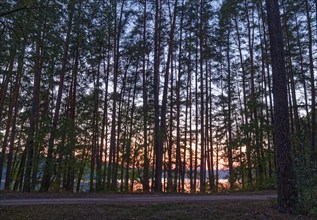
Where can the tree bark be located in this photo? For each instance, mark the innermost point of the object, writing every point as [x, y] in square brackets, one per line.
[145, 103]
[158, 136]
[286, 184]
[312, 85]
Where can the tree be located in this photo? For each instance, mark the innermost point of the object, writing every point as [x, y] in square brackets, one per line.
[145, 102]
[286, 188]
[158, 134]
[46, 180]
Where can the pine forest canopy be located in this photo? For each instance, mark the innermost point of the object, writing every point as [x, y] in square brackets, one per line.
[128, 95]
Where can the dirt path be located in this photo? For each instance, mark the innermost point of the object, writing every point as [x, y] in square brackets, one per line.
[124, 199]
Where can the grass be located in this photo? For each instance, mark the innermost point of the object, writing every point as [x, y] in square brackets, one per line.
[198, 210]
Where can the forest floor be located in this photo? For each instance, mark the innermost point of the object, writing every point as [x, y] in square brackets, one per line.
[256, 205]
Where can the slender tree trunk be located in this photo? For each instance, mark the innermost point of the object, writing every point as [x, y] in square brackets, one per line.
[189, 103]
[81, 169]
[229, 143]
[6, 80]
[312, 85]
[116, 156]
[34, 113]
[6, 136]
[207, 129]
[95, 136]
[303, 72]
[157, 133]
[159, 151]
[196, 117]
[19, 179]
[202, 111]
[217, 167]
[12, 105]
[294, 116]
[267, 85]
[9, 169]
[170, 143]
[253, 98]
[211, 150]
[113, 151]
[178, 111]
[99, 149]
[246, 117]
[145, 104]
[104, 131]
[71, 133]
[128, 153]
[15, 114]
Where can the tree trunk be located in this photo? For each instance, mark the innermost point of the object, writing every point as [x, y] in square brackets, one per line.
[196, 116]
[158, 135]
[312, 85]
[71, 133]
[12, 105]
[104, 130]
[202, 111]
[128, 161]
[286, 184]
[6, 136]
[170, 142]
[229, 142]
[112, 184]
[34, 112]
[246, 115]
[145, 103]
[6, 80]
[15, 115]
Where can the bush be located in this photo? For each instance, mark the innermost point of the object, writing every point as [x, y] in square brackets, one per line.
[307, 188]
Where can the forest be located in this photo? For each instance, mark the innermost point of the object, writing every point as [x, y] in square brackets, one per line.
[153, 95]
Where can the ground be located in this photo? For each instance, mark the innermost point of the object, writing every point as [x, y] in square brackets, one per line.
[140, 206]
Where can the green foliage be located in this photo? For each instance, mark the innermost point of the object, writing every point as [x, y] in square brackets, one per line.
[268, 184]
[273, 202]
[313, 212]
[307, 188]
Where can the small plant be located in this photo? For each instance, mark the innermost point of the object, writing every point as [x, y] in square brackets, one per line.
[273, 202]
[307, 189]
[313, 212]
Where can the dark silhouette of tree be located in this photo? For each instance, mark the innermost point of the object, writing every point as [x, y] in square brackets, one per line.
[286, 184]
